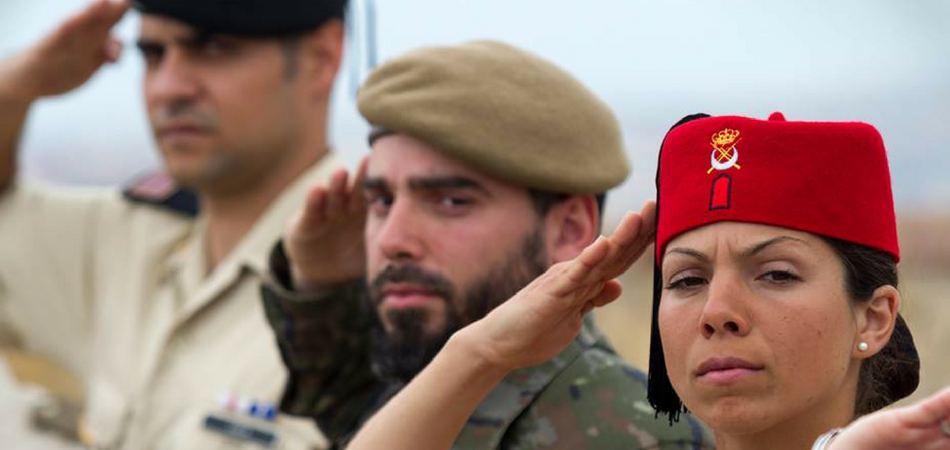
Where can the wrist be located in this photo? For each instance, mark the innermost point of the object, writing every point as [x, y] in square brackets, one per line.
[468, 342]
[15, 89]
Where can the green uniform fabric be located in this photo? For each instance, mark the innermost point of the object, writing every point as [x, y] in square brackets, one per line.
[584, 398]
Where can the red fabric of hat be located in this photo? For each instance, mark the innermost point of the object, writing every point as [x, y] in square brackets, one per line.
[826, 178]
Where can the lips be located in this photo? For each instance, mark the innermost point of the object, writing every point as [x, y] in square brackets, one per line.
[725, 370]
[406, 295]
[181, 129]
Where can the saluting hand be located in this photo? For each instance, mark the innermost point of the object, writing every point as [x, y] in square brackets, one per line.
[67, 57]
[921, 426]
[544, 317]
[324, 240]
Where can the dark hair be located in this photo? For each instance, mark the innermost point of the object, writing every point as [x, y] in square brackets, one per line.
[543, 201]
[894, 372]
[660, 393]
[290, 48]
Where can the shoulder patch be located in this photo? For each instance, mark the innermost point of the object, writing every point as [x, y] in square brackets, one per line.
[161, 190]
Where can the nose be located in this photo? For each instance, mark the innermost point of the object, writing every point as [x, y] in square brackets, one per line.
[171, 81]
[399, 235]
[723, 313]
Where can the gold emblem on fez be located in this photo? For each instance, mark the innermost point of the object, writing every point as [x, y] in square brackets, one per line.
[725, 154]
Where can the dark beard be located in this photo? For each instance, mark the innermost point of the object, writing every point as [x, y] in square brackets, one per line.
[402, 355]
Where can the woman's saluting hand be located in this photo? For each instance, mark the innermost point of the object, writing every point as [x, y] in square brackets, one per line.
[547, 314]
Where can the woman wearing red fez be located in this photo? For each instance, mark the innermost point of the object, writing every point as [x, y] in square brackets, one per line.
[775, 309]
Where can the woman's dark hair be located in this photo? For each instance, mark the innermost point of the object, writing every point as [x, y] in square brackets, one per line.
[894, 372]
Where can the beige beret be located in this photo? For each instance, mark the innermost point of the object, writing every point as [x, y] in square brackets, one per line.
[502, 110]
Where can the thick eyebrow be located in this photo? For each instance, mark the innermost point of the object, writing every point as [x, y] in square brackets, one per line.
[193, 39]
[748, 252]
[447, 182]
[375, 184]
[689, 252]
[752, 250]
[434, 183]
[144, 44]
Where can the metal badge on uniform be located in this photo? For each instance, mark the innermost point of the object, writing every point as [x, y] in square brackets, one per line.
[244, 419]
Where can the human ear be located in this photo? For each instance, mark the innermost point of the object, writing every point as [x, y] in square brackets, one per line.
[323, 51]
[875, 320]
[570, 226]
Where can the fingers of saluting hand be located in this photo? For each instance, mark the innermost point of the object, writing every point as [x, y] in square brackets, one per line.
[113, 49]
[356, 202]
[610, 291]
[336, 194]
[97, 17]
[929, 412]
[624, 246]
[113, 11]
[645, 235]
[315, 208]
[609, 257]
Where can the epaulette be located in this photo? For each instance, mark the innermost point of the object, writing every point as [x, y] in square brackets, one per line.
[160, 189]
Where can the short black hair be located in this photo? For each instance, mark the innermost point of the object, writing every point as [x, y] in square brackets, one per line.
[290, 48]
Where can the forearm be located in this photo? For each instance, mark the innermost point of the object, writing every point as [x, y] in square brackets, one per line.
[431, 411]
[323, 341]
[14, 105]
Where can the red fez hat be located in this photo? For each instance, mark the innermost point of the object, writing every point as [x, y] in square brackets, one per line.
[826, 178]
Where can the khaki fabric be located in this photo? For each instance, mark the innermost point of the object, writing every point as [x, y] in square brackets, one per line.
[502, 110]
[118, 292]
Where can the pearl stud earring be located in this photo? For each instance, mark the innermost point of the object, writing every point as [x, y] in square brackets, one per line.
[863, 346]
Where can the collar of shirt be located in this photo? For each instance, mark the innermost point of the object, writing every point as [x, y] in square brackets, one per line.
[188, 263]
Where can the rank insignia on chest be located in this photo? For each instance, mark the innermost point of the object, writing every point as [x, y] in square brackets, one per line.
[244, 419]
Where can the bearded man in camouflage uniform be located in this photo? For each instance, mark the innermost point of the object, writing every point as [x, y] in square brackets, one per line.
[488, 165]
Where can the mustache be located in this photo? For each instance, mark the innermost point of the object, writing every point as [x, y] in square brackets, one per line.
[184, 112]
[410, 274]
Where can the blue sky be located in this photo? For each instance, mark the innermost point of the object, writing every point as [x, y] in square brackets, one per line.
[883, 62]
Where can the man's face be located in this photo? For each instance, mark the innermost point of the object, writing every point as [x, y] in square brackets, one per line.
[221, 107]
[445, 244]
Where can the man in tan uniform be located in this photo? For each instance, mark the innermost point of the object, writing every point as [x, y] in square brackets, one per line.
[154, 305]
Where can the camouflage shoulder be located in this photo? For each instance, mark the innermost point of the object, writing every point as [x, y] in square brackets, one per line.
[600, 403]
[160, 190]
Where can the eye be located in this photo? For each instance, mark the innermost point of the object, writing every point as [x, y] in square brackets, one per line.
[686, 282]
[451, 203]
[379, 203]
[214, 47]
[152, 54]
[780, 277]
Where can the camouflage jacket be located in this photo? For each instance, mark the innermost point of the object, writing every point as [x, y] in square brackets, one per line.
[584, 398]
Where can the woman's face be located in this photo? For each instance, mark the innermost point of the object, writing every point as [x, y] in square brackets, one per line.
[757, 327]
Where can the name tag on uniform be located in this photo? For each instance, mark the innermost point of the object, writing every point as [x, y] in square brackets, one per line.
[244, 419]
[241, 431]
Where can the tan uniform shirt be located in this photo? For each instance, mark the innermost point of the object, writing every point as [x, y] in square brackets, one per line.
[118, 292]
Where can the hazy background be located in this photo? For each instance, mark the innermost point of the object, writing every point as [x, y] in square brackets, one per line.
[883, 62]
